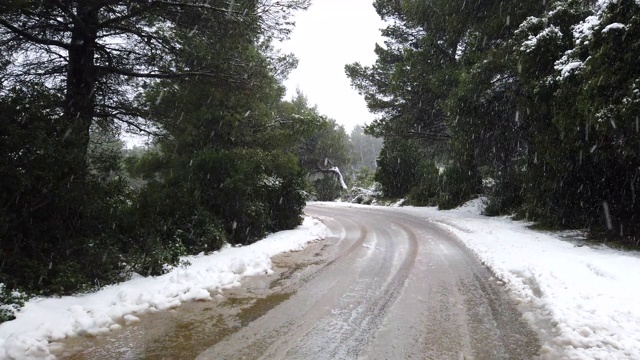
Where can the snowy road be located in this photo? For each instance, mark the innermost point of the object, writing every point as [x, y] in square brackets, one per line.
[387, 284]
[392, 286]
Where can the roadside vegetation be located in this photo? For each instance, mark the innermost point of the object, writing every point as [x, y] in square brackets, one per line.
[534, 104]
[228, 159]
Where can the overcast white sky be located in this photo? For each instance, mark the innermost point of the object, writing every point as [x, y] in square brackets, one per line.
[329, 35]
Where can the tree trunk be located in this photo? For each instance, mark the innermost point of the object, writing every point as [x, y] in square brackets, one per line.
[81, 81]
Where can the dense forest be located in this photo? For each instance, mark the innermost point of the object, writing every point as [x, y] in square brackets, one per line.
[229, 158]
[533, 103]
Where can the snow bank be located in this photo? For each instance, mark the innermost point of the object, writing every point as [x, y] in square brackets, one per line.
[44, 320]
[587, 295]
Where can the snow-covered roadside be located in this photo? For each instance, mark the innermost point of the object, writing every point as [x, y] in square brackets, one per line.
[587, 297]
[43, 321]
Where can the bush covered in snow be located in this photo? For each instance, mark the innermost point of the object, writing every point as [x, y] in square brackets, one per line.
[10, 302]
[365, 196]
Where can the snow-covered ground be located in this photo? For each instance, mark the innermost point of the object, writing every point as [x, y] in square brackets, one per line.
[582, 300]
[589, 296]
[44, 321]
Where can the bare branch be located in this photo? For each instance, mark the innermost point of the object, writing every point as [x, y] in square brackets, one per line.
[65, 9]
[32, 37]
[132, 14]
[122, 117]
[195, 6]
[157, 3]
[152, 75]
[145, 36]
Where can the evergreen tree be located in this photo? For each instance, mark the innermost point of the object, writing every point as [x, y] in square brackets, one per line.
[538, 98]
[201, 77]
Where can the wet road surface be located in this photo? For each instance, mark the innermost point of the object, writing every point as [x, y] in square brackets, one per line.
[385, 285]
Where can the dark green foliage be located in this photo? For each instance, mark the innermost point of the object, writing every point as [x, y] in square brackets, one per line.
[537, 96]
[10, 302]
[164, 222]
[319, 143]
[458, 185]
[220, 195]
[201, 79]
[585, 142]
[508, 193]
[427, 192]
[400, 166]
[609, 104]
[253, 192]
[404, 169]
[224, 150]
[364, 177]
[326, 189]
[56, 224]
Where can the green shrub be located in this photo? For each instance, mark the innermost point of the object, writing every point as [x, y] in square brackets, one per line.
[253, 192]
[364, 178]
[55, 218]
[327, 188]
[458, 184]
[166, 221]
[402, 166]
[505, 195]
[424, 194]
[10, 302]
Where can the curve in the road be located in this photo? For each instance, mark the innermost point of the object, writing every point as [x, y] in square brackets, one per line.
[397, 287]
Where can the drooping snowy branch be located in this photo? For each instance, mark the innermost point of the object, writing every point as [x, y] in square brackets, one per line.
[340, 177]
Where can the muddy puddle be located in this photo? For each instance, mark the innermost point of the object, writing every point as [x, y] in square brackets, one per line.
[186, 331]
